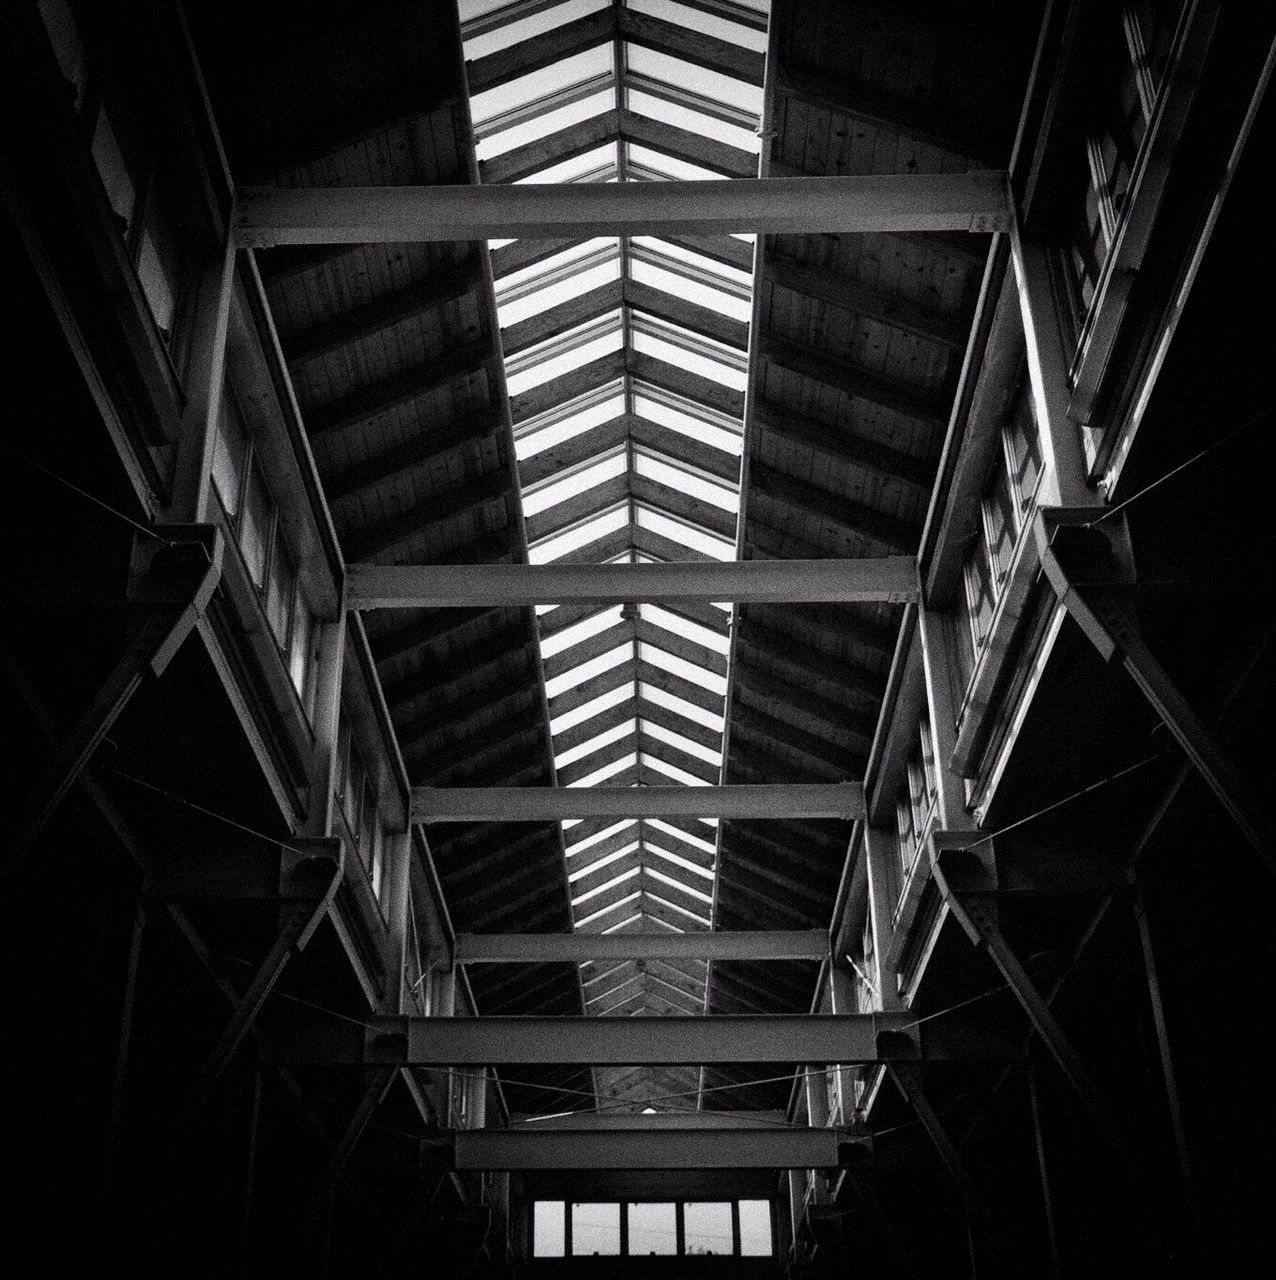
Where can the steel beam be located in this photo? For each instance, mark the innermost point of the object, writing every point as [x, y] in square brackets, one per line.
[450, 586]
[859, 203]
[777, 1147]
[576, 948]
[555, 804]
[506, 1041]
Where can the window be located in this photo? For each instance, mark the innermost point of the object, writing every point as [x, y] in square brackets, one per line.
[136, 184]
[253, 520]
[595, 1230]
[645, 1229]
[548, 1232]
[357, 797]
[653, 1229]
[707, 1228]
[755, 1228]
[1128, 54]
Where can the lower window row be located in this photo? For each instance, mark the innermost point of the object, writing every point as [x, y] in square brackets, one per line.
[565, 1228]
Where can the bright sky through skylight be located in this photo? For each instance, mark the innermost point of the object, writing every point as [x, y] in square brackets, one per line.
[676, 456]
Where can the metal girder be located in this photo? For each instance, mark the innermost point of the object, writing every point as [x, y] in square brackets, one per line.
[449, 586]
[858, 203]
[507, 948]
[173, 578]
[1091, 569]
[553, 804]
[777, 1147]
[545, 1040]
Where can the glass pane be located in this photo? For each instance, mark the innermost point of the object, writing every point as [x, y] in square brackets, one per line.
[547, 1229]
[254, 533]
[653, 1229]
[707, 1228]
[113, 171]
[279, 593]
[755, 1228]
[595, 1229]
[229, 456]
[299, 648]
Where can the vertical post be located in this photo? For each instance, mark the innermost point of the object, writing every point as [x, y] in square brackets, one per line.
[327, 720]
[796, 1185]
[879, 854]
[250, 1173]
[205, 378]
[842, 1000]
[942, 707]
[1190, 1202]
[1043, 1167]
[1064, 482]
[399, 853]
[119, 1079]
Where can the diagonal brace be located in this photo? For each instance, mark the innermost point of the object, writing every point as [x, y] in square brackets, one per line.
[1091, 570]
[297, 926]
[175, 585]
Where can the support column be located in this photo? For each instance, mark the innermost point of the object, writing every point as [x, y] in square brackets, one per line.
[976, 912]
[398, 903]
[880, 858]
[1044, 1168]
[204, 383]
[1190, 1202]
[1063, 456]
[119, 1080]
[250, 1177]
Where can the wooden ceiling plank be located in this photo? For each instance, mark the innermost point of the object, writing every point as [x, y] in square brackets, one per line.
[894, 535]
[849, 294]
[434, 444]
[690, 46]
[545, 50]
[382, 313]
[845, 375]
[463, 360]
[842, 444]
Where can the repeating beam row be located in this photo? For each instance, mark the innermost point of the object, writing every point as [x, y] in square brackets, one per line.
[844, 800]
[858, 203]
[507, 948]
[886, 578]
[693, 1041]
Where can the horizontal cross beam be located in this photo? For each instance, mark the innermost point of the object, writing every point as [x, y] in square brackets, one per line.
[576, 948]
[857, 203]
[442, 586]
[776, 1147]
[844, 1039]
[554, 804]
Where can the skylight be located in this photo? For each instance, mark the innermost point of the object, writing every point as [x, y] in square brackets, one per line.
[628, 469]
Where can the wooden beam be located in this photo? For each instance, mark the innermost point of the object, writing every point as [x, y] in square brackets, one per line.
[842, 444]
[845, 375]
[849, 294]
[848, 204]
[551, 804]
[853, 518]
[889, 578]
